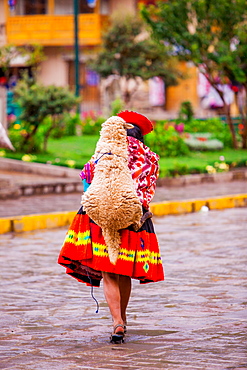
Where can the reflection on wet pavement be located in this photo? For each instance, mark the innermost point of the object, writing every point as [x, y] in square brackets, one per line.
[195, 319]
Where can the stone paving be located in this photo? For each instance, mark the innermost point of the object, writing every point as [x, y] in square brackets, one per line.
[22, 178]
[68, 202]
[195, 319]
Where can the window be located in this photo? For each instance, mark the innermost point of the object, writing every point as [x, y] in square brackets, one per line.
[84, 6]
[35, 7]
[67, 7]
[31, 7]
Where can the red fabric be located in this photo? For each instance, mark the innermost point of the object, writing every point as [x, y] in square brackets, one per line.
[138, 119]
[84, 247]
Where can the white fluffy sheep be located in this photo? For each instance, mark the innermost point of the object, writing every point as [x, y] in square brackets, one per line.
[111, 200]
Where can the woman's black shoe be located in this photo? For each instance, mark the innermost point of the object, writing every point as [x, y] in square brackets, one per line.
[117, 337]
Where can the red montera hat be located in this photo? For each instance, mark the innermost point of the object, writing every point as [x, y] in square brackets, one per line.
[137, 119]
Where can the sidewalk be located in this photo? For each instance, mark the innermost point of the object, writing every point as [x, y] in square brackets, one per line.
[195, 319]
[43, 211]
[71, 201]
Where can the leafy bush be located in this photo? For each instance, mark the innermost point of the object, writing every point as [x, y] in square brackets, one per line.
[166, 143]
[213, 125]
[186, 111]
[176, 137]
[91, 123]
[37, 103]
[67, 126]
[178, 169]
[117, 106]
[224, 136]
[18, 133]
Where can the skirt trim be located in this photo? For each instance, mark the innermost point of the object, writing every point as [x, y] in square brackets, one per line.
[85, 255]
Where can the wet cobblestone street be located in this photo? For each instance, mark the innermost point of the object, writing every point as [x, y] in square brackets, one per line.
[195, 319]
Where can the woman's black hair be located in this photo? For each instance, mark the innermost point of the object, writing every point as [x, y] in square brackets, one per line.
[135, 132]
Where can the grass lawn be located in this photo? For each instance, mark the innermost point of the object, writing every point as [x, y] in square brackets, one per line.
[197, 161]
[77, 148]
[80, 149]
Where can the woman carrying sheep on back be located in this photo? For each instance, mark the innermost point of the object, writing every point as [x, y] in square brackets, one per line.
[134, 251]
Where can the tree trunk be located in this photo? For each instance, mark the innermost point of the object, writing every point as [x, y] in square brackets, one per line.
[48, 132]
[227, 109]
[126, 96]
[244, 134]
[28, 137]
[129, 92]
[243, 112]
[46, 137]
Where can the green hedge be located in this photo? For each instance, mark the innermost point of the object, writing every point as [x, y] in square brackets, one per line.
[166, 142]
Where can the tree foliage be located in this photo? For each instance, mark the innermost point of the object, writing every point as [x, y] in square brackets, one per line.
[32, 54]
[128, 51]
[37, 102]
[211, 34]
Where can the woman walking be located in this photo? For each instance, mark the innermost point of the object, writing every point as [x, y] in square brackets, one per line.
[84, 252]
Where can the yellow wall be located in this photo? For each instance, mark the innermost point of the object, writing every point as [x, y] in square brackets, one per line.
[53, 29]
[186, 90]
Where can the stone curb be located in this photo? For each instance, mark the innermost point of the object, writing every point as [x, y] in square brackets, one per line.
[65, 172]
[195, 205]
[52, 220]
[239, 174]
[7, 164]
[35, 222]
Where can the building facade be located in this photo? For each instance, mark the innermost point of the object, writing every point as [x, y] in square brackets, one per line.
[50, 23]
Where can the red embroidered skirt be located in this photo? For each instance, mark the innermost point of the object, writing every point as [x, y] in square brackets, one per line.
[85, 255]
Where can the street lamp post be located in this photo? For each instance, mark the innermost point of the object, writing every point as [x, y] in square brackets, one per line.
[76, 48]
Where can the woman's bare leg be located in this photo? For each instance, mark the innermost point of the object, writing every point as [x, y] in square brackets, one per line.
[125, 290]
[113, 297]
[117, 289]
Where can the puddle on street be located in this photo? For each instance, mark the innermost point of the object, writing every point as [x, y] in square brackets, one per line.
[195, 319]
[150, 333]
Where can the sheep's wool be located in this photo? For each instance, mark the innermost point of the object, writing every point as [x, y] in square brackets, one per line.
[111, 200]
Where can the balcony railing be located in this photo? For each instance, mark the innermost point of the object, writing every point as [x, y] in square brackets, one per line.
[54, 29]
